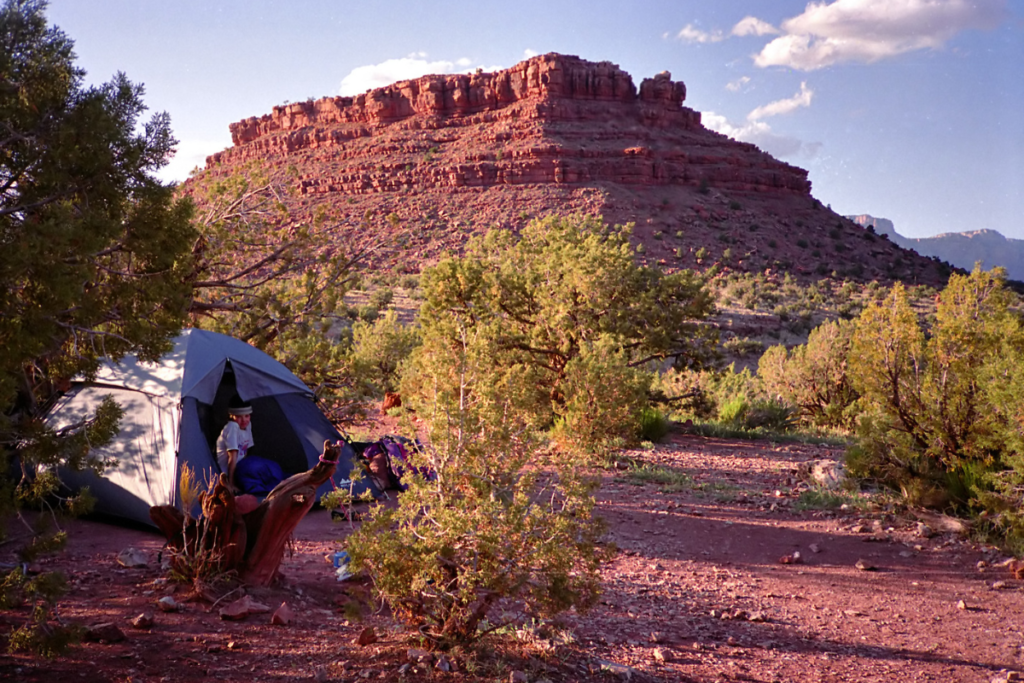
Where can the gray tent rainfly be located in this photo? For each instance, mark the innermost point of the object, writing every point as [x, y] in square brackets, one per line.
[175, 408]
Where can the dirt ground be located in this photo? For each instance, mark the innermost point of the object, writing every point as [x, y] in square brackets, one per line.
[698, 591]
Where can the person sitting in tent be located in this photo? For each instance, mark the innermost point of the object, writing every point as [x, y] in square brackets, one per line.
[246, 473]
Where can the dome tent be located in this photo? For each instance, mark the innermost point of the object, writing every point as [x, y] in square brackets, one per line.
[175, 408]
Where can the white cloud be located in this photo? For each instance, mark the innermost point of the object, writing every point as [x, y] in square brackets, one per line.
[870, 30]
[527, 53]
[761, 134]
[190, 153]
[752, 26]
[692, 34]
[735, 86]
[801, 99]
[363, 78]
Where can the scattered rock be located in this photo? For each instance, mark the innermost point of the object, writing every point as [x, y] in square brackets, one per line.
[167, 604]
[942, 523]
[860, 529]
[132, 558]
[814, 548]
[320, 674]
[443, 663]
[999, 585]
[865, 566]
[283, 615]
[518, 677]
[107, 632]
[795, 558]
[242, 608]
[853, 613]
[657, 636]
[659, 655]
[758, 617]
[404, 669]
[144, 620]
[420, 656]
[621, 670]
[924, 531]
[367, 637]
[829, 474]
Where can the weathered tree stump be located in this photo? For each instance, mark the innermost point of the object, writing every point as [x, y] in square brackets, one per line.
[252, 544]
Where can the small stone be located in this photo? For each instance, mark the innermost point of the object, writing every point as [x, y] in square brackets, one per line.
[961, 605]
[320, 674]
[758, 617]
[233, 645]
[443, 663]
[620, 670]
[860, 529]
[794, 558]
[865, 566]
[906, 554]
[982, 564]
[814, 548]
[107, 632]
[418, 656]
[144, 620]
[283, 615]
[659, 655]
[242, 608]
[924, 531]
[404, 669]
[167, 604]
[132, 558]
[999, 585]
[1012, 676]
[518, 677]
[366, 637]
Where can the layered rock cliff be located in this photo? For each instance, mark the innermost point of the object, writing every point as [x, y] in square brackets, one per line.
[419, 165]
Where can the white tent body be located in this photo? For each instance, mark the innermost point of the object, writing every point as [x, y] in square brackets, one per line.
[173, 411]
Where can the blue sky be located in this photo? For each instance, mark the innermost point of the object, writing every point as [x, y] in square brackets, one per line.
[911, 110]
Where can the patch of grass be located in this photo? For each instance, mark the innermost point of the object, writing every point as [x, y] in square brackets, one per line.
[669, 480]
[717, 430]
[825, 499]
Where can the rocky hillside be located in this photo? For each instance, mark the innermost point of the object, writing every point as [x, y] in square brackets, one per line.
[418, 166]
[961, 249]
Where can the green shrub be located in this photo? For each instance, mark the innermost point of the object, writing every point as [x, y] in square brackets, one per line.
[605, 402]
[379, 347]
[367, 313]
[382, 297]
[490, 528]
[654, 426]
[814, 377]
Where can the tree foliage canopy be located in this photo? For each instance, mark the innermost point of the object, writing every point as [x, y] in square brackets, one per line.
[93, 248]
[566, 295]
[94, 253]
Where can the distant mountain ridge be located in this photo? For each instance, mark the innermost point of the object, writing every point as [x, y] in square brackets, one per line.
[961, 249]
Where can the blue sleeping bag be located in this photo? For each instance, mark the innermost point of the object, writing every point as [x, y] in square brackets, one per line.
[257, 475]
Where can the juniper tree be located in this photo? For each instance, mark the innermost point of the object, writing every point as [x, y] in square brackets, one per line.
[93, 253]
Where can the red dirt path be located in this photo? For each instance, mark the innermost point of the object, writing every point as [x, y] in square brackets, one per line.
[695, 593]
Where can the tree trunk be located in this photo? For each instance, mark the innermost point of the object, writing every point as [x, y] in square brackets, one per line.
[252, 544]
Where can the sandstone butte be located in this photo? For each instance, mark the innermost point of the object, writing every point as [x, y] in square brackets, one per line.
[417, 167]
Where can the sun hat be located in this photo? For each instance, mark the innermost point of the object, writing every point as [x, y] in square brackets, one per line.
[239, 407]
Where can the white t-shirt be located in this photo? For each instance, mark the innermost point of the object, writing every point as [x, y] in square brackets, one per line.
[233, 438]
